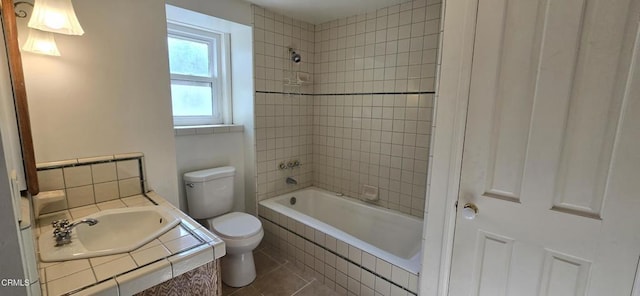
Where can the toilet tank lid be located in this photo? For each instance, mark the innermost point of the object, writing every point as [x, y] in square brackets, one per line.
[210, 174]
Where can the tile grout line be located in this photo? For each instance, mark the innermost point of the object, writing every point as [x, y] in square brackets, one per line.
[303, 287]
[346, 94]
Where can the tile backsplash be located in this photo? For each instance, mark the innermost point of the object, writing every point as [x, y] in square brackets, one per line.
[88, 181]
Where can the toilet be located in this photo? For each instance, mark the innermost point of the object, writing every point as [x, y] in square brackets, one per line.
[210, 199]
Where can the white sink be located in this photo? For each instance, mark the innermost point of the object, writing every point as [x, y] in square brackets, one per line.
[117, 231]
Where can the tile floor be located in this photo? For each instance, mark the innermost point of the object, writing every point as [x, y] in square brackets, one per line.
[276, 276]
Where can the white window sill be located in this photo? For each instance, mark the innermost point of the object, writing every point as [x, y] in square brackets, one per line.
[208, 129]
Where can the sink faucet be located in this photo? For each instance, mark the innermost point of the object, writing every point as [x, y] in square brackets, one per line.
[292, 181]
[62, 229]
[89, 221]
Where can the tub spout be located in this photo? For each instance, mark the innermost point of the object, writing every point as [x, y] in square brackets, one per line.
[292, 181]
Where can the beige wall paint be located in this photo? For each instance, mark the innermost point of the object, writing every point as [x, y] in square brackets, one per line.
[231, 10]
[109, 91]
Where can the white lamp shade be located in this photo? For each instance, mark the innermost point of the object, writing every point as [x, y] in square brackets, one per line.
[55, 16]
[41, 42]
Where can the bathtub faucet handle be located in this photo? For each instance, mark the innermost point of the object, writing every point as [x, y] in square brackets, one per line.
[293, 164]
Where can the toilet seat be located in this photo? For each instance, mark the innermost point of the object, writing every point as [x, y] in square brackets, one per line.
[235, 225]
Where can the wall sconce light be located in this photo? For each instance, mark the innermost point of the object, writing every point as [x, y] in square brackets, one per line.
[41, 42]
[56, 16]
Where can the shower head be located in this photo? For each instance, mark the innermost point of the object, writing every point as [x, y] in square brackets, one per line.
[295, 57]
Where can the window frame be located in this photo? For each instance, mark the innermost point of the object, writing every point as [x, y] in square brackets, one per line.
[219, 78]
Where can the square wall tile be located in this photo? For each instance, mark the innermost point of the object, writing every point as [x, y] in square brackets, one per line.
[80, 196]
[51, 179]
[127, 169]
[77, 176]
[129, 187]
[106, 191]
[104, 172]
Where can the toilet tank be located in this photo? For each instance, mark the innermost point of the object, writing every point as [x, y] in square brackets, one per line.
[209, 192]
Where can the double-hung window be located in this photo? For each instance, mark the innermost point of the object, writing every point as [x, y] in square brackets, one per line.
[197, 63]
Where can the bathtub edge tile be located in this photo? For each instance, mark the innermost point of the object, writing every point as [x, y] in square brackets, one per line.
[399, 276]
[383, 268]
[355, 254]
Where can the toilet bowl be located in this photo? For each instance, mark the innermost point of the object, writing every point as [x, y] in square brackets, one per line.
[241, 234]
[210, 198]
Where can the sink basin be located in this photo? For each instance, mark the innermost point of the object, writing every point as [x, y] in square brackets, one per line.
[117, 231]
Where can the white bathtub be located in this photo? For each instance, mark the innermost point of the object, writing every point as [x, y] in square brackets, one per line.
[385, 234]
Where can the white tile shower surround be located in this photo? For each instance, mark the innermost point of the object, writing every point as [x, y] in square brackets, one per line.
[284, 132]
[284, 122]
[371, 100]
[392, 49]
[378, 140]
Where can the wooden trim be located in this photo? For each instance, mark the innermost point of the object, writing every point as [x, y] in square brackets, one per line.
[19, 95]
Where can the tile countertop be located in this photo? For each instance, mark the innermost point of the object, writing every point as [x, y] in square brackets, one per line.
[187, 246]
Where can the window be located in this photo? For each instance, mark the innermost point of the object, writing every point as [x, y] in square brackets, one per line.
[198, 62]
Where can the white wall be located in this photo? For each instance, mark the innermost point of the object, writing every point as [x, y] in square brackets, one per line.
[237, 149]
[109, 91]
[197, 152]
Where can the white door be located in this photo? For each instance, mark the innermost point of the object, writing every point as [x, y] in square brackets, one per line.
[552, 151]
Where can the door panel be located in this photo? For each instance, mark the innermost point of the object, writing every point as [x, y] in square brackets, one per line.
[493, 263]
[563, 275]
[506, 111]
[551, 127]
